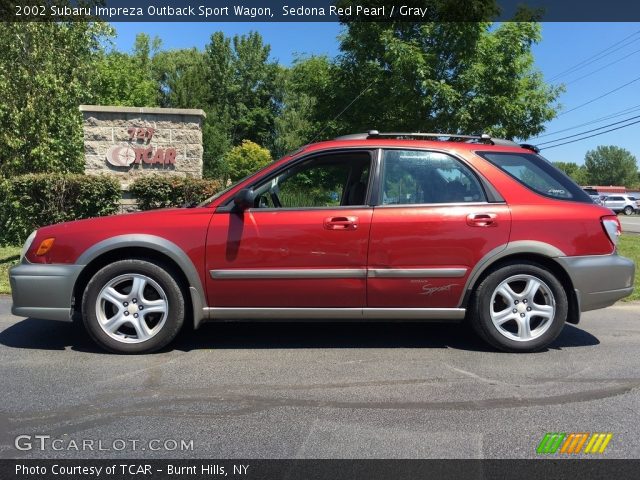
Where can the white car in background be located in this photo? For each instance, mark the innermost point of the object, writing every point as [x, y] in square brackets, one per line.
[621, 202]
[593, 193]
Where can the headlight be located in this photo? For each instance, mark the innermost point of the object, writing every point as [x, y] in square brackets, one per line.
[27, 244]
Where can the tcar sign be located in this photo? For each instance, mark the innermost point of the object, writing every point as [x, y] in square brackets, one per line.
[124, 156]
[140, 152]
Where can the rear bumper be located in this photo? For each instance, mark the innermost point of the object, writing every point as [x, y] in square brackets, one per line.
[599, 280]
[43, 291]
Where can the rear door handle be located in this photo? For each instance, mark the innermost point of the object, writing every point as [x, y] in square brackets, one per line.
[482, 220]
[341, 223]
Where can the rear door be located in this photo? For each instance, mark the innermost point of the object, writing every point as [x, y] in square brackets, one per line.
[433, 225]
[615, 202]
[303, 245]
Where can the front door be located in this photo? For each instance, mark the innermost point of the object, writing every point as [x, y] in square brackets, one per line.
[433, 226]
[303, 245]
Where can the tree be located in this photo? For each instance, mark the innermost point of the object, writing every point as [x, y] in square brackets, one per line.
[611, 165]
[182, 78]
[46, 72]
[577, 172]
[466, 77]
[241, 95]
[245, 159]
[306, 86]
[127, 80]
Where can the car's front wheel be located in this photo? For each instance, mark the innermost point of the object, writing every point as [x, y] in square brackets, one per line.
[520, 307]
[133, 306]
[628, 210]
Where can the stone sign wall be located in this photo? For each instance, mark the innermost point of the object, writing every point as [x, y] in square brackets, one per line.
[129, 142]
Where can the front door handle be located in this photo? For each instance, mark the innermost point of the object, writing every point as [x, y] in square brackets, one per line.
[341, 223]
[482, 220]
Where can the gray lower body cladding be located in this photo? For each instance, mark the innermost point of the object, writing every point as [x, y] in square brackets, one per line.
[43, 291]
[599, 280]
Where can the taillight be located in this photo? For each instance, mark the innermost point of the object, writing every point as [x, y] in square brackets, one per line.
[613, 228]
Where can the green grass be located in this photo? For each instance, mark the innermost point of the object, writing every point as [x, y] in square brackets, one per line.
[630, 247]
[8, 256]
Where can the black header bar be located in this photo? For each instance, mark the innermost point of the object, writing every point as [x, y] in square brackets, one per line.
[319, 10]
[318, 469]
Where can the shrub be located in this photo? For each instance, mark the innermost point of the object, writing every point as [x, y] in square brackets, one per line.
[31, 201]
[245, 159]
[161, 191]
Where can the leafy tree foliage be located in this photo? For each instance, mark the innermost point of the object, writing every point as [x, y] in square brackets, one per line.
[306, 91]
[181, 75]
[611, 165]
[578, 173]
[448, 77]
[46, 72]
[245, 159]
[128, 80]
[423, 76]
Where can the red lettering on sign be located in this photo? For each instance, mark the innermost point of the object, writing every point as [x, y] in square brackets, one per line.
[159, 156]
[143, 155]
[170, 156]
[144, 134]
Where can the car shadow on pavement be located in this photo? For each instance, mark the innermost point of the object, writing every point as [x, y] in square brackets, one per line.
[353, 335]
[51, 335]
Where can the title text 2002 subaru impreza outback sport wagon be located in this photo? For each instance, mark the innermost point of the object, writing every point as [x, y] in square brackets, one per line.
[364, 227]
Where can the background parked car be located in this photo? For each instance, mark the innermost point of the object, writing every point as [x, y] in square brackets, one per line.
[595, 196]
[621, 203]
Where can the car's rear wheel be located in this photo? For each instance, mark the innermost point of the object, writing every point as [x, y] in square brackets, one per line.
[628, 210]
[133, 306]
[519, 307]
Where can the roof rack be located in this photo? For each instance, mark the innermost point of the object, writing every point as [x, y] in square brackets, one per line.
[447, 137]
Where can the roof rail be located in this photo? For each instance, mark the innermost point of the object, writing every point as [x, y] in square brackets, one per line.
[447, 137]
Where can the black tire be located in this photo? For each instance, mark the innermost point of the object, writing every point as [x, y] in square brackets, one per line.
[486, 300]
[163, 292]
[628, 210]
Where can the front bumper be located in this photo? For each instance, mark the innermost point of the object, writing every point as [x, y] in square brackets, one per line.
[599, 280]
[43, 291]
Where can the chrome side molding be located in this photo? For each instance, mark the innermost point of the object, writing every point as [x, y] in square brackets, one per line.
[302, 273]
[276, 273]
[417, 272]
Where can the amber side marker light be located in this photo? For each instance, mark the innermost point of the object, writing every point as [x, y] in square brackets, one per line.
[45, 246]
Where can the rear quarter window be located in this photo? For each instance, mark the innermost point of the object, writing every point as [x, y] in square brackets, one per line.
[537, 174]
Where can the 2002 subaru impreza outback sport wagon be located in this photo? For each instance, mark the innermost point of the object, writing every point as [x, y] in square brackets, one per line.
[365, 227]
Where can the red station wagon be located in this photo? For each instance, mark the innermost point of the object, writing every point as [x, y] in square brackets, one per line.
[400, 226]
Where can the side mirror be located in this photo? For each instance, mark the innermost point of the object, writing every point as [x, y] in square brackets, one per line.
[244, 199]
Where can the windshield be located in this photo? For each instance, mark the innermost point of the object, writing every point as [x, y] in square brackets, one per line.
[537, 174]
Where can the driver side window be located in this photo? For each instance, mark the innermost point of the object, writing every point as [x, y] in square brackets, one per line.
[327, 181]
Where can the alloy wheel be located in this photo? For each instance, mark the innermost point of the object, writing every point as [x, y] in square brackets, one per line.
[522, 307]
[132, 308]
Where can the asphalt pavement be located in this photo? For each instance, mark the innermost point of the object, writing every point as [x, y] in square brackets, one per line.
[630, 223]
[294, 390]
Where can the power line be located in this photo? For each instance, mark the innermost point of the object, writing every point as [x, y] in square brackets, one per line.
[600, 96]
[590, 136]
[589, 131]
[595, 57]
[602, 68]
[591, 122]
[343, 110]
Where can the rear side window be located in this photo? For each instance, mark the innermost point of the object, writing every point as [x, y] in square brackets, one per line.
[537, 174]
[421, 177]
